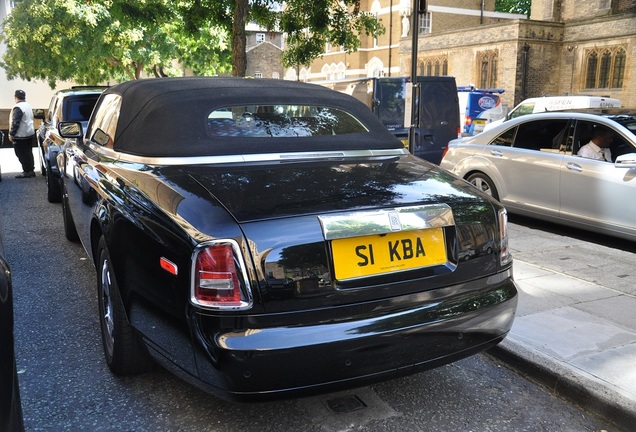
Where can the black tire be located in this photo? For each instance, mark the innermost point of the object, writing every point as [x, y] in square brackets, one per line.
[125, 353]
[70, 232]
[53, 189]
[484, 183]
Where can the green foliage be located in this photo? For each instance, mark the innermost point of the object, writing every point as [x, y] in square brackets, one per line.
[310, 25]
[96, 41]
[513, 6]
[93, 42]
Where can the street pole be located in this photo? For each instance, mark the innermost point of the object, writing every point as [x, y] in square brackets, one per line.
[419, 7]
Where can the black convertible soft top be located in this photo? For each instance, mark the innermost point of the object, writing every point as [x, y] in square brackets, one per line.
[168, 117]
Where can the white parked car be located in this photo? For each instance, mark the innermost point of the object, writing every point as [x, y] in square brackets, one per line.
[530, 164]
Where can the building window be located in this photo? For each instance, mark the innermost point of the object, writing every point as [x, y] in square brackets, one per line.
[434, 66]
[425, 23]
[375, 38]
[488, 63]
[605, 68]
[375, 11]
[619, 69]
[260, 37]
[590, 75]
[437, 68]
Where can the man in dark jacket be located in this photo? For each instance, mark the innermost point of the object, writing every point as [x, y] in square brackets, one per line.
[21, 133]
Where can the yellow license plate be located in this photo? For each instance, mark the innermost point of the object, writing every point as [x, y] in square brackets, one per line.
[386, 253]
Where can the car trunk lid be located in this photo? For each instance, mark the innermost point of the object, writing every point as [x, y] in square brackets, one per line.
[333, 232]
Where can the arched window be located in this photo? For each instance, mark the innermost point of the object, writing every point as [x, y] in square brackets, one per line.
[605, 68]
[619, 69]
[488, 63]
[375, 67]
[435, 66]
[590, 75]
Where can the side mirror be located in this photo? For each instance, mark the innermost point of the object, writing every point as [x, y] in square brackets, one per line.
[70, 129]
[101, 137]
[38, 113]
[626, 161]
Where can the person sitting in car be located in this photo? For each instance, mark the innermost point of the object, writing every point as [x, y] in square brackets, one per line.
[598, 147]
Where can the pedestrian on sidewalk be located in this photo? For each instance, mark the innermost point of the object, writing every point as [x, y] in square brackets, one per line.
[21, 133]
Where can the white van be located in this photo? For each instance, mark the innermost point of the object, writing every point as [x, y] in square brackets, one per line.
[558, 103]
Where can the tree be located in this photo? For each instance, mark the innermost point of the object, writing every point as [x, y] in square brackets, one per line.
[96, 41]
[308, 25]
[93, 41]
[513, 6]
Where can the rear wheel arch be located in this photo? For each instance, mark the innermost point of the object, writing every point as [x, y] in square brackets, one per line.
[124, 350]
[96, 235]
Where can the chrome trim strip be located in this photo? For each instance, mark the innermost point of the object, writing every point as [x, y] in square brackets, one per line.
[355, 224]
[240, 158]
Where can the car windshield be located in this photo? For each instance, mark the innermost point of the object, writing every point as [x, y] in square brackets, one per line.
[80, 109]
[281, 121]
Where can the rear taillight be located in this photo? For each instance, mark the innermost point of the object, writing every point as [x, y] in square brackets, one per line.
[504, 252]
[219, 278]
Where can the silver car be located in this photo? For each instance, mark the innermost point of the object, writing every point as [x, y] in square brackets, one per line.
[531, 165]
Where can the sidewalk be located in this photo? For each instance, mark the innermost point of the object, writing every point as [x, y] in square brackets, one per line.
[576, 337]
[575, 329]
[10, 165]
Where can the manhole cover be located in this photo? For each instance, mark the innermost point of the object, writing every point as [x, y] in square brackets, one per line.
[346, 404]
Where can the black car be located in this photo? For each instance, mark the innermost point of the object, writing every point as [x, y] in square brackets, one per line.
[74, 104]
[267, 238]
[10, 406]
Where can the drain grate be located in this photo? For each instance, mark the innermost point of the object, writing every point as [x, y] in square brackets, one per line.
[346, 404]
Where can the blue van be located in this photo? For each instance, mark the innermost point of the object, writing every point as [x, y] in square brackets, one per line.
[478, 107]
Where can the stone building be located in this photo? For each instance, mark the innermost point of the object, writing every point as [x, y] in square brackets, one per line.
[566, 47]
[381, 56]
[263, 52]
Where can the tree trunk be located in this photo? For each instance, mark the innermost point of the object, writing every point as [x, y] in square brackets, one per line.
[239, 57]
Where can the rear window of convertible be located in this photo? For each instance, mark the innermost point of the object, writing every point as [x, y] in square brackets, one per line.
[281, 121]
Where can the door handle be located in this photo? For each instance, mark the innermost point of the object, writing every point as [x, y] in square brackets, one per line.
[573, 167]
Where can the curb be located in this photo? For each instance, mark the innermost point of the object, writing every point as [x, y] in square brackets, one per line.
[584, 390]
